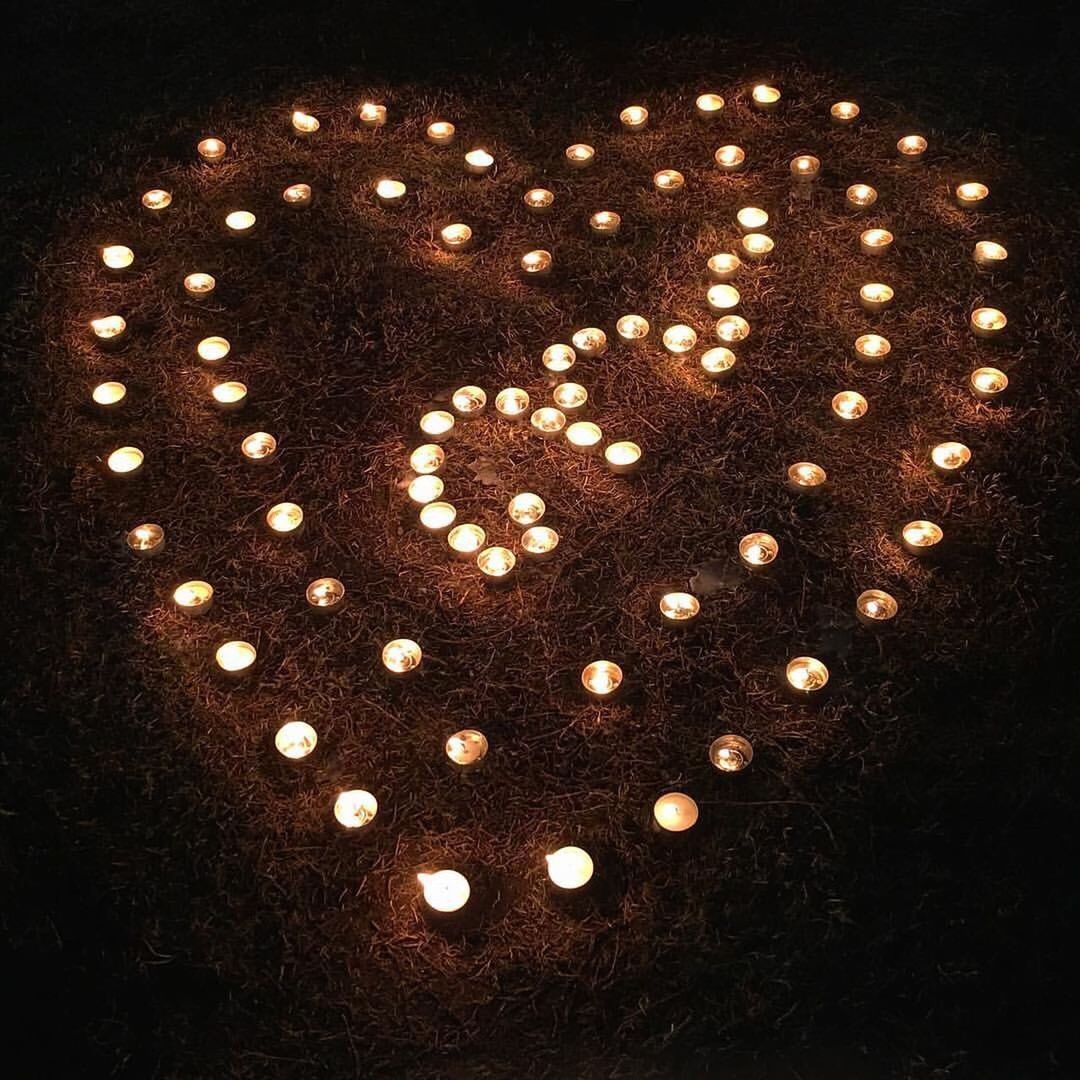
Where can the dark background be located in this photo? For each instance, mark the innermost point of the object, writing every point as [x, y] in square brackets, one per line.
[77, 73]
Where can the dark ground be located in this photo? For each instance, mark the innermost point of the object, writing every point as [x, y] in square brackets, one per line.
[888, 892]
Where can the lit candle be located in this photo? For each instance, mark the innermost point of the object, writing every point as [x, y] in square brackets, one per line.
[211, 149]
[240, 223]
[987, 383]
[108, 330]
[478, 162]
[569, 867]
[860, 196]
[601, 679]
[585, 436]
[722, 299]
[679, 339]
[213, 349]
[428, 458]
[456, 236]
[751, 219]
[437, 517]
[872, 347]
[284, 518]
[765, 97]
[512, 403]
[401, 656]
[235, 657]
[229, 396]
[372, 115]
[539, 200]
[873, 607]
[199, 285]
[325, 594]
[467, 748]
[669, 181]
[570, 397]
[806, 478]
[145, 540]
[466, 540]
[558, 358]
[304, 123]
[425, 488]
[758, 549]
[580, 155]
[634, 117]
[496, 564]
[849, 406]
[259, 447]
[757, 245]
[844, 112]
[298, 196]
[950, 457]
[675, 812]
[990, 255]
[548, 421]
[806, 675]
[623, 457]
[731, 753]
[988, 322]
[911, 147]
[445, 890]
[731, 329]
[538, 542]
[730, 158]
[536, 264]
[193, 597]
[437, 424]
[709, 106]
[971, 196]
[875, 296]
[356, 808]
[805, 167]
[723, 266]
[920, 537]
[875, 241]
[718, 363]
[155, 200]
[589, 341]
[109, 395]
[632, 329]
[390, 193]
[679, 608]
[440, 133]
[117, 257]
[126, 461]
[526, 508]
[469, 401]
[295, 740]
[604, 224]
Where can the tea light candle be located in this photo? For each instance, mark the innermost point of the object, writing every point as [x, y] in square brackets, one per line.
[325, 594]
[558, 358]
[538, 542]
[536, 264]
[920, 537]
[872, 347]
[988, 322]
[806, 478]
[569, 867]
[765, 97]
[632, 329]
[428, 458]
[213, 349]
[634, 117]
[229, 396]
[372, 115]
[849, 406]
[757, 245]
[583, 435]
[589, 341]
[438, 517]
[456, 236]
[875, 241]
[875, 296]
[295, 740]
[117, 257]
[145, 540]
[539, 200]
[874, 607]
[445, 890]
[193, 597]
[731, 753]
[806, 675]
[512, 403]
[860, 196]
[708, 106]
[722, 299]
[496, 564]
[718, 363]
[401, 656]
[304, 123]
[911, 147]
[731, 329]
[235, 657]
[469, 401]
[990, 255]
[844, 112]
[298, 196]
[548, 421]
[601, 679]
[679, 608]
[580, 155]
[950, 457]
[987, 383]
[467, 748]
[466, 540]
[425, 488]
[723, 266]
[730, 158]
[526, 508]
[669, 181]
[570, 397]
[440, 133]
[211, 149]
[805, 167]
[623, 457]
[478, 162]
[437, 424]
[390, 193]
[679, 339]
[971, 196]
[758, 549]
[240, 223]
[108, 395]
[155, 200]
[199, 285]
[675, 812]
[125, 461]
[259, 446]
[751, 218]
[356, 808]
[604, 224]
[284, 518]
[109, 329]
